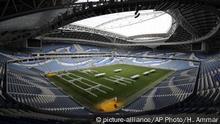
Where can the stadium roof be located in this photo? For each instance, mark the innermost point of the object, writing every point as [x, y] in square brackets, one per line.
[125, 23]
[197, 21]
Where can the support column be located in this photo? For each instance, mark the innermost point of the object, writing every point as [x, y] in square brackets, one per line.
[204, 46]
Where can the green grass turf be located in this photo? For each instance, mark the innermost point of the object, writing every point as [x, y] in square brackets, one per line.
[122, 92]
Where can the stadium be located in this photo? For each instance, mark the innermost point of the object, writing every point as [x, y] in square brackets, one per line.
[92, 61]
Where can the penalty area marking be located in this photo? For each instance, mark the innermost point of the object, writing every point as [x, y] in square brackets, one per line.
[95, 82]
[89, 92]
[80, 80]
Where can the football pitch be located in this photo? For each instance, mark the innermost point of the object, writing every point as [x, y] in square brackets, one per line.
[110, 87]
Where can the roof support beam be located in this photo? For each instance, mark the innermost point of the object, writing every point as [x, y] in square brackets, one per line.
[184, 23]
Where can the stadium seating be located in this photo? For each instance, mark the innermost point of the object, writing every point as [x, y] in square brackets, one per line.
[182, 87]
[61, 79]
[176, 64]
[37, 92]
[206, 96]
[165, 94]
[3, 100]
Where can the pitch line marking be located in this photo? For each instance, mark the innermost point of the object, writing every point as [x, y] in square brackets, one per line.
[88, 89]
[79, 87]
[95, 82]
[109, 79]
